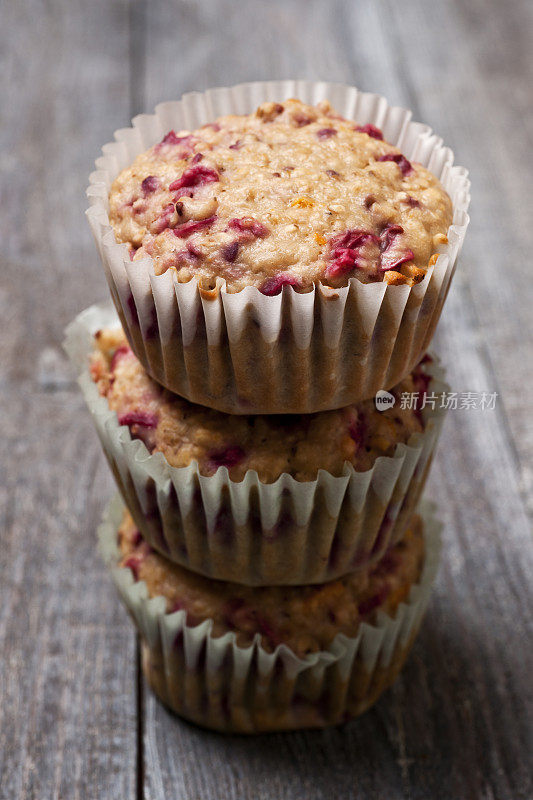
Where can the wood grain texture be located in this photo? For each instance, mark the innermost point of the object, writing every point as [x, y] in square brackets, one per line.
[455, 724]
[458, 723]
[67, 669]
[475, 89]
[68, 715]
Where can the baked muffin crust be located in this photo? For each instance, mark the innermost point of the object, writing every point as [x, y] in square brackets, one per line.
[305, 618]
[290, 195]
[296, 444]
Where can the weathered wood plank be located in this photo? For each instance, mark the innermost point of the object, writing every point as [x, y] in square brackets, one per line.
[67, 670]
[478, 694]
[474, 87]
[67, 91]
[456, 722]
[67, 654]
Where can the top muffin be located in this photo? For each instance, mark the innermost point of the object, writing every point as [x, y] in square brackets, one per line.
[290, 195]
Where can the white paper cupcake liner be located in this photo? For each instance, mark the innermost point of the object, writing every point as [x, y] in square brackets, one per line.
[219, 684]
[245, 353]
[249, 532]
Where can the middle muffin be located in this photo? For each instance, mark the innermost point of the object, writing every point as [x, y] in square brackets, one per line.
[257, 500]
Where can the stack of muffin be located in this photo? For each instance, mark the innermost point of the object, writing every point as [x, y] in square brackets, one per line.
[272, 272]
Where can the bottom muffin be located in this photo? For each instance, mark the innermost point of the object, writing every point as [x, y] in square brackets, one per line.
[235, 658]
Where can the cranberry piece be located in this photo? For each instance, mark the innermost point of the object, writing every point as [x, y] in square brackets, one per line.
[228, 457]
[197, 175]
[144, 418]
[171, 138]
[134, 562]
[326, 133]
[412, 201]
[186, 144]
[137, 538]
[370, 130]
[350, 240]
[141, 425]
[236, 145]
[117, 355]
[229, 251]
[357, 430]
[194, 251]
[163, 220]
[182, 258]
[344, 262]
[184, 230]
[350, 250]
[150, 185]
[300, 119]
[198, 157]
[275, 284]
[249, 225]
[333, 173]
[392, 253]
[388, 236]
[371, 603]
[400, 159]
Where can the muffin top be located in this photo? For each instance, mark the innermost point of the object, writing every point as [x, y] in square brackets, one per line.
[297, 444]
[290, 195]
[306, 618]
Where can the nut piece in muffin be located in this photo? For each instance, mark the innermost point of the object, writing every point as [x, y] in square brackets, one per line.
[292, 195]
[299, 445]
[305, 618]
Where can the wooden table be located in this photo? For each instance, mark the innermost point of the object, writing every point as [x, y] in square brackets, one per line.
[76, 719]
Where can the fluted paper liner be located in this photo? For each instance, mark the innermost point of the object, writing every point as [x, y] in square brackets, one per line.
[244, 352]
[217, 683]
[287, 532]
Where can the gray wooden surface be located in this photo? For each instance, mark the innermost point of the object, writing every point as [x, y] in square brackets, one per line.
[76, 720]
